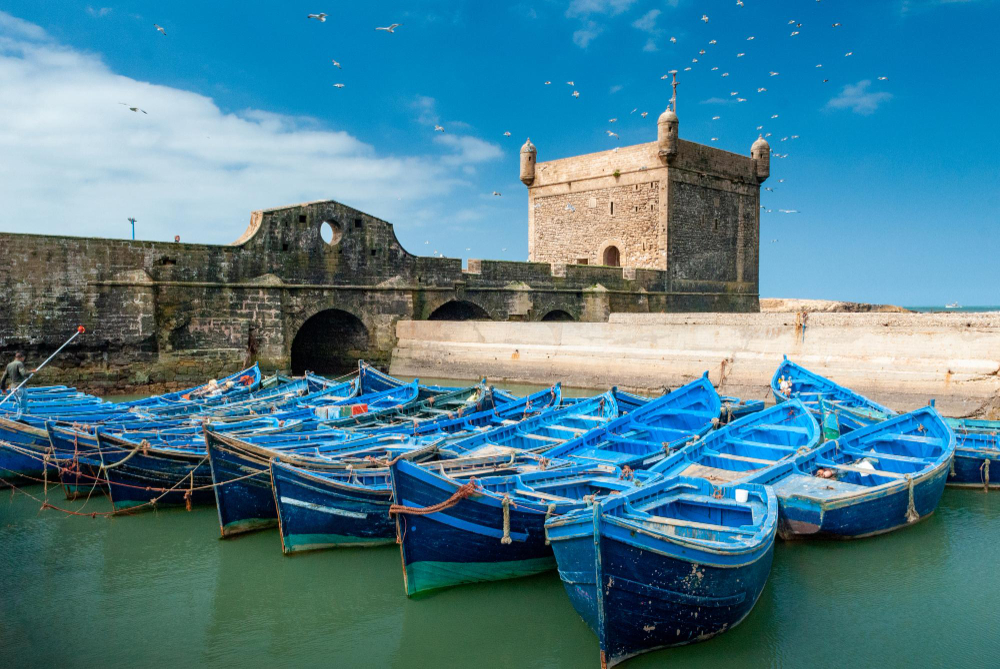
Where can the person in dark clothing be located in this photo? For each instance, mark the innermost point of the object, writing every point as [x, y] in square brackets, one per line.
[15, 374]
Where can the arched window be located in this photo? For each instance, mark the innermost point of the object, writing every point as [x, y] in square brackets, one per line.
[612, 257]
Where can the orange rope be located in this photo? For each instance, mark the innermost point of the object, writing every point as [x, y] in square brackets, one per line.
[465, 490]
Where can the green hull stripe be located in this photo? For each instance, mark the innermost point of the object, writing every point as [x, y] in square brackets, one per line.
[424, 576]
[248, 525]
[296, 543]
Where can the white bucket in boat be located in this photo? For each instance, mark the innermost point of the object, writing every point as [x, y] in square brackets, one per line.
[742, 495]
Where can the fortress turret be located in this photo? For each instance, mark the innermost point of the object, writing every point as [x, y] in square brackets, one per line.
[761, 154]
[666, 126]
[666, 134]
[528, 155]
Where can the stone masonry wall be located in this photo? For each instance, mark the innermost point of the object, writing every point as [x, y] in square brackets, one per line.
[626, 217]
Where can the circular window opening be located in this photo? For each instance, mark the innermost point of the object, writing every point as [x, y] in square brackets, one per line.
[330, 232]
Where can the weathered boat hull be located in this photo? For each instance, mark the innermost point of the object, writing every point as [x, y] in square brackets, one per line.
[316, 513]
[654, 600]
[641, 586]
[242, 486]
[977, 458]
[150, 477]
[464, 543]
[875, 513]
[20, 464]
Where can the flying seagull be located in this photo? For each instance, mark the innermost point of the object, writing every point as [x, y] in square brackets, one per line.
[160, 29]
[570, 83]
[390, 28]
[547, 83]
[644, 114]
[131, 108]
[575, 94]
[704, 17]
[507, 134]
[337, 65]
[319, 17]
[438, 128]
[612, 134]
[612, 120]
[338, 85]
[496, 193]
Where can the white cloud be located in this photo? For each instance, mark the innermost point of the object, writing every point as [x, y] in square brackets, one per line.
[99, 12]
[647, 22]
[75, 161]
[586, 7]
[426, 107]
[614, 89]
[858, 99]
[718, 101]
[650, 45]
[467, 150]
[586, 34]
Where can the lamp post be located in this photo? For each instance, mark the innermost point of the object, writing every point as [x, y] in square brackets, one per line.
[132, 221]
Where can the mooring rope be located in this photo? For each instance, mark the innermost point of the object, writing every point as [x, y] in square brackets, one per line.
[911, 509]
[506, 520]
[984, 469]
[548, 514]
[465, 490]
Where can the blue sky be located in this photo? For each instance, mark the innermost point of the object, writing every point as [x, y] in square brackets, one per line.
[895, 180]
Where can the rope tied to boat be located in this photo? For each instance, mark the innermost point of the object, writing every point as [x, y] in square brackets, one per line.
[548, 514]
[506, 520]
[985, 471]
[911, 509]
[145, 450]
[464, 490]
[951, 471]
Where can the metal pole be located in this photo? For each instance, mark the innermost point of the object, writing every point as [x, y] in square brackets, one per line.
[79, 331]
[132, 221]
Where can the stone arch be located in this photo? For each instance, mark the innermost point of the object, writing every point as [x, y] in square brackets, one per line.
[557, 315]
[459, 310]
[612, 253]
[612, 257]
[330, 342]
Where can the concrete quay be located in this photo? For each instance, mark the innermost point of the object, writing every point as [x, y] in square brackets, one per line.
[901, 360]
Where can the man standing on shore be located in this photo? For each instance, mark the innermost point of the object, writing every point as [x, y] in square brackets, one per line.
[15, 374]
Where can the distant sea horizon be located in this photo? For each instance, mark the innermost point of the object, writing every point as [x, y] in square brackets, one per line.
[946, 309]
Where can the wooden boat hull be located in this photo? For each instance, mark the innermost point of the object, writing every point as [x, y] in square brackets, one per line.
[876, 512]
[20, 464]
[135, 479]
[463, 544]
[242, 484]
[658, 600]
[977, 461]
[316, 513]
[656, 590]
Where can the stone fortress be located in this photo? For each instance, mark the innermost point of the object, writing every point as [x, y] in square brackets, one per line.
[687, 209]
[669, 226]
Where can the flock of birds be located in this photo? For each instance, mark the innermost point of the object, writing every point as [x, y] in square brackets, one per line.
[702, 53]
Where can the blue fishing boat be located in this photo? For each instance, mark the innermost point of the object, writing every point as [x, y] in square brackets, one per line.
[734, 408]
[541, 432]
[146, 476]
[454, 531]
[23, 453]
[650, 432]
[870, 481]
[837, 408]
[667, 564]
[977, 450]
[323, 505]
[746, 446]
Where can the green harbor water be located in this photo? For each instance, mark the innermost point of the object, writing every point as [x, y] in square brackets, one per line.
[161, 589]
